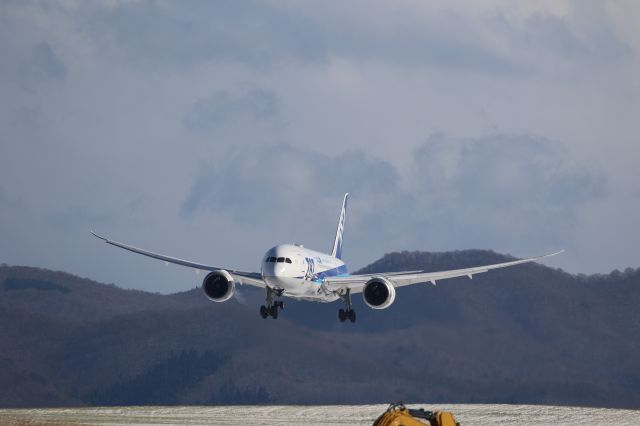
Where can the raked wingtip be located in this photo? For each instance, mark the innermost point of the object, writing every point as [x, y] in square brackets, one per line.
[98, 236]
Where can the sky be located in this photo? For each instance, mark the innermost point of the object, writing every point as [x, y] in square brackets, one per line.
[212, 131]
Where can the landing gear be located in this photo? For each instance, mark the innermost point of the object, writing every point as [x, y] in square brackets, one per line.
[344, 314]
[349, 313]
[273, 311]
[272, 307]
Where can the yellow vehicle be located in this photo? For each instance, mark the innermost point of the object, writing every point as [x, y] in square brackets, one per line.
[399, 415]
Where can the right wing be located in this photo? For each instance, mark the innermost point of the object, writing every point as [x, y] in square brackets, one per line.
[251, 278]
[355, 283]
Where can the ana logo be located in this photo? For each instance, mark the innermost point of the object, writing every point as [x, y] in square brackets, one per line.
[311, 266]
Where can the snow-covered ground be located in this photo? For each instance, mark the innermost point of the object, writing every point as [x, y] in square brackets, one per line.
[467, 414]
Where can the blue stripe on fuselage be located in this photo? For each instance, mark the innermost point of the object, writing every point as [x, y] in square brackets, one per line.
[340, 271]
[334, 272]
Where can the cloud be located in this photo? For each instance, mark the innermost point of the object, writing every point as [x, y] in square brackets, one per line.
[222, 108]
[47, 62]
[283, 177]
[169, 34]
[543, 40]
[503, 188]
[38, 66]
[263, 33]
[516, 193]
[211, 130]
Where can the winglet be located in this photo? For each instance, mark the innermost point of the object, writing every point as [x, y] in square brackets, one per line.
[98, 236]
[551, 254]
[337, 244]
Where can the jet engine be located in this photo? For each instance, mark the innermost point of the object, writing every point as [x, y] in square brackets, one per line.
[218, 286]
[378, 293]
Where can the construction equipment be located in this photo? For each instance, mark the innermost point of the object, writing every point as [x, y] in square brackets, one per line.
[399, 415]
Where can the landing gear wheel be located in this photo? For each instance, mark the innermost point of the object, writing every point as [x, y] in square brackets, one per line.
[273, 311]
[264, 312]
[343, 314]
[352, 315]
[280, 304]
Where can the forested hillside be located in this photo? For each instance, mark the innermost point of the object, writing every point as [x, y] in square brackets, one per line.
[528, 334]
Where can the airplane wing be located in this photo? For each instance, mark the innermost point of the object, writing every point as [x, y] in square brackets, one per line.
[400, 279]
[251, 278]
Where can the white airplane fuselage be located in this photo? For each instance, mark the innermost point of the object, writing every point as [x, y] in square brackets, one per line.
[299, 271]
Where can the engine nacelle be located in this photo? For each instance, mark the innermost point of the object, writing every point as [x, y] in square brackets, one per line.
[218, 286]
[378, 293]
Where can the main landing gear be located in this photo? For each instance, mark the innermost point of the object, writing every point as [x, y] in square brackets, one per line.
[349, 313]
[272, 306]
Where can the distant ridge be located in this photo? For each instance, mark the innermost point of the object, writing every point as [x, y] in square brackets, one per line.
[530, 334]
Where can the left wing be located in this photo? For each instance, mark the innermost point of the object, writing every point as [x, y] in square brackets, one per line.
[399, 279]
[251, 278]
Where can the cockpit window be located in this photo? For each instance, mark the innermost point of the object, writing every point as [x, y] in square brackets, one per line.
[278, 259]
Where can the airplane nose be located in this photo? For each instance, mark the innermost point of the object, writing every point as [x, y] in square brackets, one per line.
[273, 269]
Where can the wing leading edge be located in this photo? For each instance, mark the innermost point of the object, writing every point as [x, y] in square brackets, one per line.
[399, 279]
[251, 278]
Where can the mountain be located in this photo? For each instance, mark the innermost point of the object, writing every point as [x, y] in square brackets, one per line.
[528, 334]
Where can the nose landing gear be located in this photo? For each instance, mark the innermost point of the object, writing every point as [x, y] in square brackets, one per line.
[349, 313]
[272, 307]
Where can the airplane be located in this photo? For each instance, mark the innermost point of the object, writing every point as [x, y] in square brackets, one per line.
[291, 270]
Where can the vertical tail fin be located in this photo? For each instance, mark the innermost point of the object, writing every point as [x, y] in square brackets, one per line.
[337, 244]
